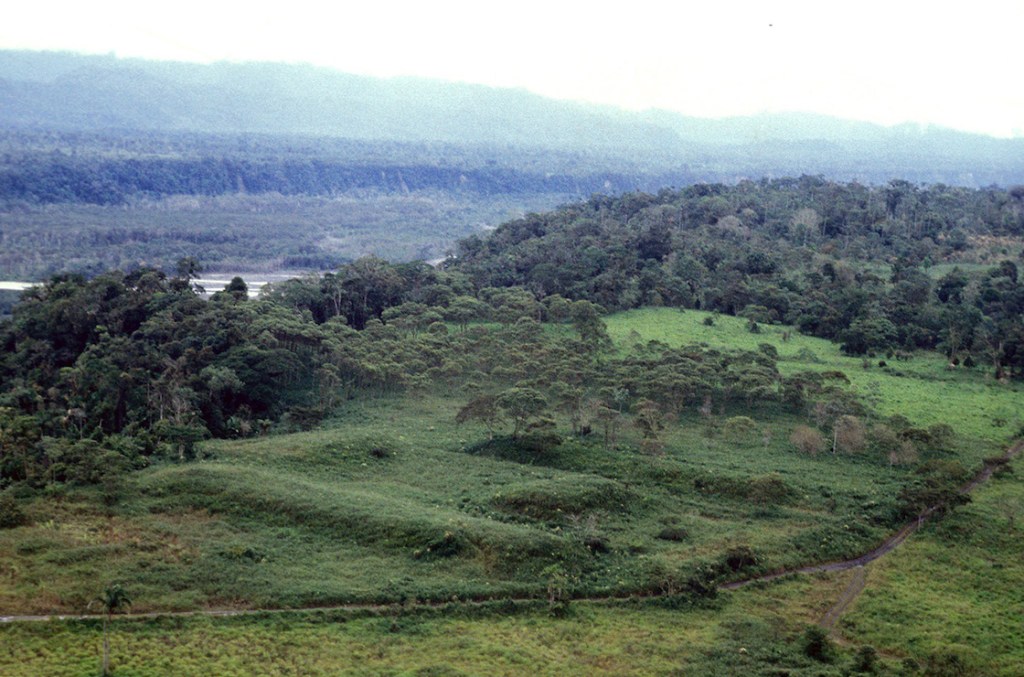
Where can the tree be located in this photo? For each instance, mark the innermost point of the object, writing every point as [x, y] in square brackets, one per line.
[650, 421]
[848, 435]
[936, 487]
[113, 599]
[586, 319]
[869, 335]
[465, 309]
[187, 268]
[483, 408]
[521, 405]
[237, 289]
[609, 418]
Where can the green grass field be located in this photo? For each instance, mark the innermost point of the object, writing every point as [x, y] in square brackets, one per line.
[391, 503]
[922, 388]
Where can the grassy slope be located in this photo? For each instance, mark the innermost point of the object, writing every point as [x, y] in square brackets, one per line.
[316, 518]
[922, 388]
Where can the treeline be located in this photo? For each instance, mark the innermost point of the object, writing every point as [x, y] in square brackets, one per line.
[58, 178]
[841, 261]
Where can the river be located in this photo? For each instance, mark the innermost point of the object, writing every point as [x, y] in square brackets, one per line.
[209, 284]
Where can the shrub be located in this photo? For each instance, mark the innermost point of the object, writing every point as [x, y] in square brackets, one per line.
[947, 664]
[883, 440]
[554, 499]
[850, 434]
[865, 660]
[448, 544]
[904, 454]
[770, 488]
[739, 558]
[740, 429]
[941, 434]
[807, 355]
[673, 534]
[11, 514]
[807, 440]
[817, 645]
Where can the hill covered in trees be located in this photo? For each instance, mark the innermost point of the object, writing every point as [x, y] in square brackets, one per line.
[847, 262]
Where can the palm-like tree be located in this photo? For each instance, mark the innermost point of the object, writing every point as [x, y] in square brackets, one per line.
[113, 599]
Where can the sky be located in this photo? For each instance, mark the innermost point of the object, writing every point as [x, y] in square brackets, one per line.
[951, 64]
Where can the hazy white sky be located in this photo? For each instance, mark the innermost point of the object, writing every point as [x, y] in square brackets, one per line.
[954, 64]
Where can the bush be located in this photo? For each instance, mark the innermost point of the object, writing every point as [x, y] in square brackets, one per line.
[807, 440]
[740, 429]
[817, 645]
[738, 558]
[770, 488]
[673, 534]
[947, 664]
[448, 544]
[11, 514]
[865, 660]
[554, 499]
[850, 434]
[904, 454]
[766, 489]
[941, 434]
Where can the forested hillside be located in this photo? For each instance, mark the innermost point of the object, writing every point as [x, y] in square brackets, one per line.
[868, 267]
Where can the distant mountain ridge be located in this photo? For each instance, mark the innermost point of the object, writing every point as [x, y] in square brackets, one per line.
[51, 90]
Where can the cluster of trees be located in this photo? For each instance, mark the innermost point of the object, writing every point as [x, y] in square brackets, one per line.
[842, 261]
[101, 374]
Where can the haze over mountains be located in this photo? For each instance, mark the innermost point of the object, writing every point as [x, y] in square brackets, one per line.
[64, 91]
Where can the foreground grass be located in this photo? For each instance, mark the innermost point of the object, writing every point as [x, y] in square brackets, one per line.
[956, 591]
[727, 637]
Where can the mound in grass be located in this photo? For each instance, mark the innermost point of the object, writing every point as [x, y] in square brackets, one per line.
[563, 497]
[532, 449]
[767, 489]
[388, 517]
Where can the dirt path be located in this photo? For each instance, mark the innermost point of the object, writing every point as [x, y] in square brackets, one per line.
[889, 544]
[850, 594]
[852, 591]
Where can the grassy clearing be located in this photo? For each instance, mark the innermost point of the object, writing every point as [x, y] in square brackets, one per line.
[922, 388]
[348, 513]
[391, 502]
